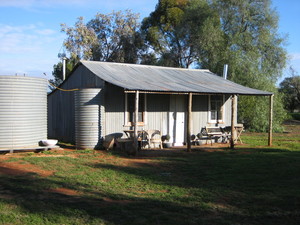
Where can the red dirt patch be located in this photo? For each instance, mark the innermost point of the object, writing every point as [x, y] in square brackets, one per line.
[16, 169]
[64, 191]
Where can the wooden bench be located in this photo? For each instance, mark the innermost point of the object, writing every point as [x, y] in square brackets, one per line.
[214, 132]
[210, 133]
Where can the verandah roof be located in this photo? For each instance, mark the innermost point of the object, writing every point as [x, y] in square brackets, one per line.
[133, 77]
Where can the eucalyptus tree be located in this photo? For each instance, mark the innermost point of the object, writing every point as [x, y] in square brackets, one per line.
[211, 33]
[252, 41]
[176, 28]
[112, 37]
[255, 53]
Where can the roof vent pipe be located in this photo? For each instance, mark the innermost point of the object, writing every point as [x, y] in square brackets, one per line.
[225, 70]
[64, 67]
[63, 57]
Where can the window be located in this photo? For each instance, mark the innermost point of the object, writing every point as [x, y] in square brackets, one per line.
[130, 108]
[216, 108]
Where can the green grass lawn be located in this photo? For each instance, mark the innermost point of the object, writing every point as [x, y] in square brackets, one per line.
[254, 184]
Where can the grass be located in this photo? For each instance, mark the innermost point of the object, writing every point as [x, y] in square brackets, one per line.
[254, 184]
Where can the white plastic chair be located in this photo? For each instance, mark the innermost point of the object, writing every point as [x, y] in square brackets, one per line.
[154, 137]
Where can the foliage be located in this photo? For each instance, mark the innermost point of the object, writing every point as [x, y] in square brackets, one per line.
[255, 54]
[113, 37]
[290, 87]
[242, 34]
[257, 119]
[176, 28]
[80, 40]
[118, 38]
[295, 116]
[58, 72]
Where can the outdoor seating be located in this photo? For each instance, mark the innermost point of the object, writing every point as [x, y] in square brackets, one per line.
[146, 138]
[210, 133]
[216, 133]
[153, 137]
[239, 129]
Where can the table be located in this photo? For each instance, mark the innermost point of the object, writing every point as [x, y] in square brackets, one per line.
[142, 139]
[239, 128]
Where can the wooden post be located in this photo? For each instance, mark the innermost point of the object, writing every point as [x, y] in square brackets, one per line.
[233, 119]
[136, 119]
[189, 122]
[270, 121]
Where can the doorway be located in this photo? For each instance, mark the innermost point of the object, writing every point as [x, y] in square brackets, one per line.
[177, 119]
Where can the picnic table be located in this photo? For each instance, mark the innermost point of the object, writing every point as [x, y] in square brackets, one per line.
[210, 133]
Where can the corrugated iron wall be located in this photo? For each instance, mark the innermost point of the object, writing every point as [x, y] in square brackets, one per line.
[199, 113]
[157, 112]
[23, 111]
[61, 104]
[114, 109]
[157, 115]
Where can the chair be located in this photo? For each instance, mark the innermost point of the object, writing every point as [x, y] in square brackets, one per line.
[239, 129]
[153, 137]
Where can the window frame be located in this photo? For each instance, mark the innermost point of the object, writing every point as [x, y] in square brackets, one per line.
[127, 113]
[222, 109]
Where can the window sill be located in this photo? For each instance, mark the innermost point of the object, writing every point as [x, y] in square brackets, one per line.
[130, 124]
[216, 122]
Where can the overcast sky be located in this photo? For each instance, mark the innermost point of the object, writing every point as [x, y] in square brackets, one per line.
[30, 36]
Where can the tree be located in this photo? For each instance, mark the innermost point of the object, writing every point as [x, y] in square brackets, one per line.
[255, 53]
[290, 87]
[114, 37]
[211, 33]
[251, 40]
[57, 72]
[175, 30]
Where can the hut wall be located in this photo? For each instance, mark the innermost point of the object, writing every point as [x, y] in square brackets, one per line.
[199, 113]
[61, 104]
[157, 112]
[114, 109]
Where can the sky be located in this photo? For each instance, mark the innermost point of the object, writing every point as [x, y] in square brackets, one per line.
[31, 37]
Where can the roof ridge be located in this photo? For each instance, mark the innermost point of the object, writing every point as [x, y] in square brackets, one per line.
[143, 65]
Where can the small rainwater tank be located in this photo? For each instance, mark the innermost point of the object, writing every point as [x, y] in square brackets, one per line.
[87, 118]
[23, 112]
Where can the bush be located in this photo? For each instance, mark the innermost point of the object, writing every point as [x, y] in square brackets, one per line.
[295, 116]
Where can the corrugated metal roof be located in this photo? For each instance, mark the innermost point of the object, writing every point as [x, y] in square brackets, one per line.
[166, 79]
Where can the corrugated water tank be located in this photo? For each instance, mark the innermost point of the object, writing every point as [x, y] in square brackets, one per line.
[87, 118]
[23, 111]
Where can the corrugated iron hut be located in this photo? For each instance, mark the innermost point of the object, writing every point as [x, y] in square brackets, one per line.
[178, 102]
